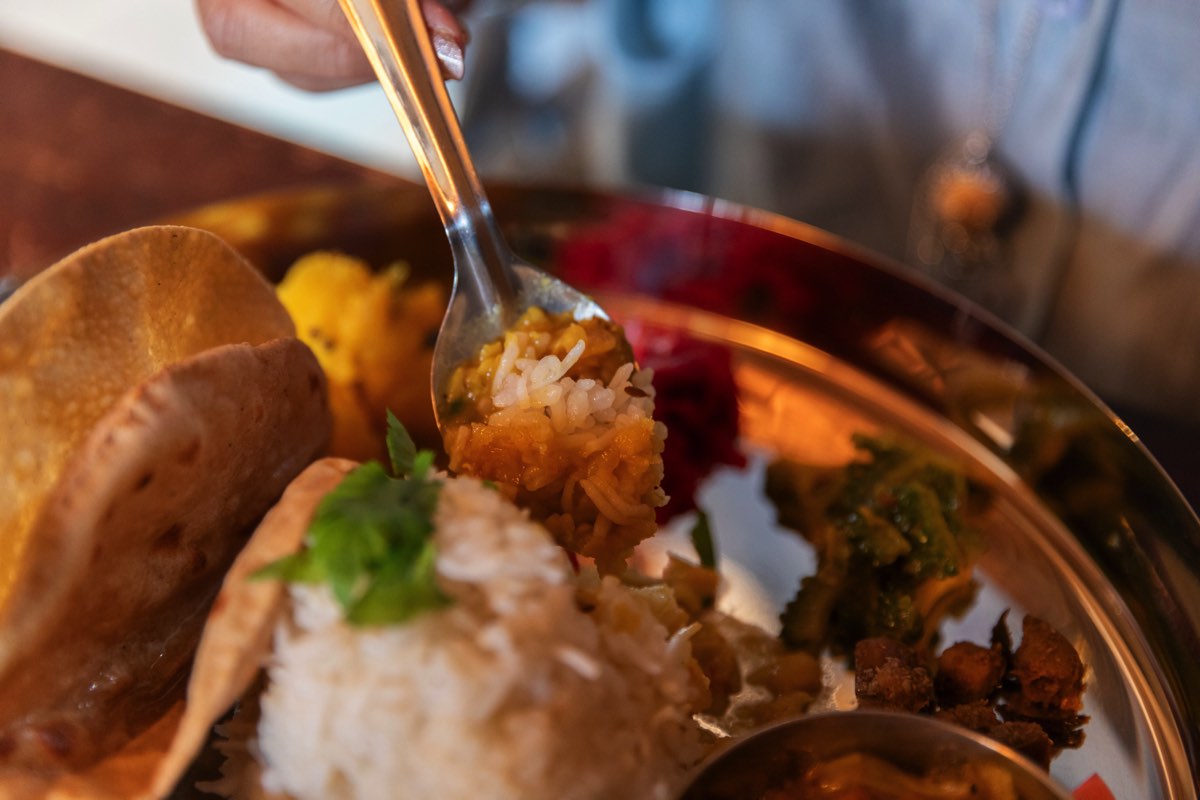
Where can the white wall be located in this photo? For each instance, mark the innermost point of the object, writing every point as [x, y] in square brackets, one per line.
[156, 47]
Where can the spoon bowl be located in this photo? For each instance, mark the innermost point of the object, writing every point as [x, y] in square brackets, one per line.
[763, 761]
[492, 287]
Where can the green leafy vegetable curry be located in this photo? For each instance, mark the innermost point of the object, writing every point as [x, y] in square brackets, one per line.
[895, 553]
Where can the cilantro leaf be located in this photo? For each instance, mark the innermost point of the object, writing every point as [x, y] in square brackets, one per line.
[421, 464]
[401, 449]
[405, 587]
[702, 540]
[371, 540]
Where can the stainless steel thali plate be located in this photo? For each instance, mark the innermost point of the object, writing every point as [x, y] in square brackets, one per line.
[1086, 531]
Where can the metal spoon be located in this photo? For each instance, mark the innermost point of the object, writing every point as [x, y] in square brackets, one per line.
[492, 287]
[748, 768]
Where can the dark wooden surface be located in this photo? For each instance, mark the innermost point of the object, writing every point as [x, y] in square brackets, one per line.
[80, 159]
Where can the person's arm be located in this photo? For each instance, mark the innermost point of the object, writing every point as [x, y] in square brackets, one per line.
[309, 44]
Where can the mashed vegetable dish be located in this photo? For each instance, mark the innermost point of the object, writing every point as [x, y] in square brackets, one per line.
[560, 418]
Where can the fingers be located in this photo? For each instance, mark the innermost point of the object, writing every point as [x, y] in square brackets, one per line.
[266, 34]
[448, 35]
[326, 14]
[309, 43]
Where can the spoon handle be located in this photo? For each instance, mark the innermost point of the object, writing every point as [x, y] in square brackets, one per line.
[393, 35]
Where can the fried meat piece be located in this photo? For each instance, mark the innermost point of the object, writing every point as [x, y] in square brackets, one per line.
[1027, 738]
[876, 651]
[888, 674]
[719, 662]
[1049, 673]
[978, 715]
[967, 672]
[1028, 699]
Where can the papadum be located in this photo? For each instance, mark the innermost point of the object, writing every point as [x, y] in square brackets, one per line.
[81, 333]
[157, 404]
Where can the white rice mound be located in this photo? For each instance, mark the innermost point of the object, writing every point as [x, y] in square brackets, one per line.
[528, 380]
[530, 384]
[512, 691]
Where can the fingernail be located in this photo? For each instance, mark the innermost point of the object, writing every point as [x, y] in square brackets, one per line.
[449, 54]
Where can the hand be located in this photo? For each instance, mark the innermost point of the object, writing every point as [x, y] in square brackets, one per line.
[309, 43]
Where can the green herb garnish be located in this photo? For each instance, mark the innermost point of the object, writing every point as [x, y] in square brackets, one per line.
[371, 539]
[702, 540]
[402, 451]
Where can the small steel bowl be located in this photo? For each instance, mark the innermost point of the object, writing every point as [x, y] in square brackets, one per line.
[749, 767]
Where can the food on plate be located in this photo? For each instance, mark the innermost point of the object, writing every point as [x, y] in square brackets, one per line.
[861, 776]
[558, 415]
[1048, 673]
[1029, 699]
[606, 669]
[896, 548]
[895, 545]
[423, 637]
[695, 397]
[869, 755]
[156, 405]
[373, 332]
[751, 677]
[79, 335]
[476, 633]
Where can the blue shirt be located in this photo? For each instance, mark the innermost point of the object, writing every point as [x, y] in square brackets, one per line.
[833, 111]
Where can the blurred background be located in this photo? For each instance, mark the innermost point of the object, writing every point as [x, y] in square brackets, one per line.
[156, 47]
[530, 82]
[1085, 198]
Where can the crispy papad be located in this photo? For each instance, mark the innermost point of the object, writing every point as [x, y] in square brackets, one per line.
[125, 556]
[237, 636]
[83, 332]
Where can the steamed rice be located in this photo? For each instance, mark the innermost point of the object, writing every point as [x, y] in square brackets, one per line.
[559, 416]
[513, 691]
